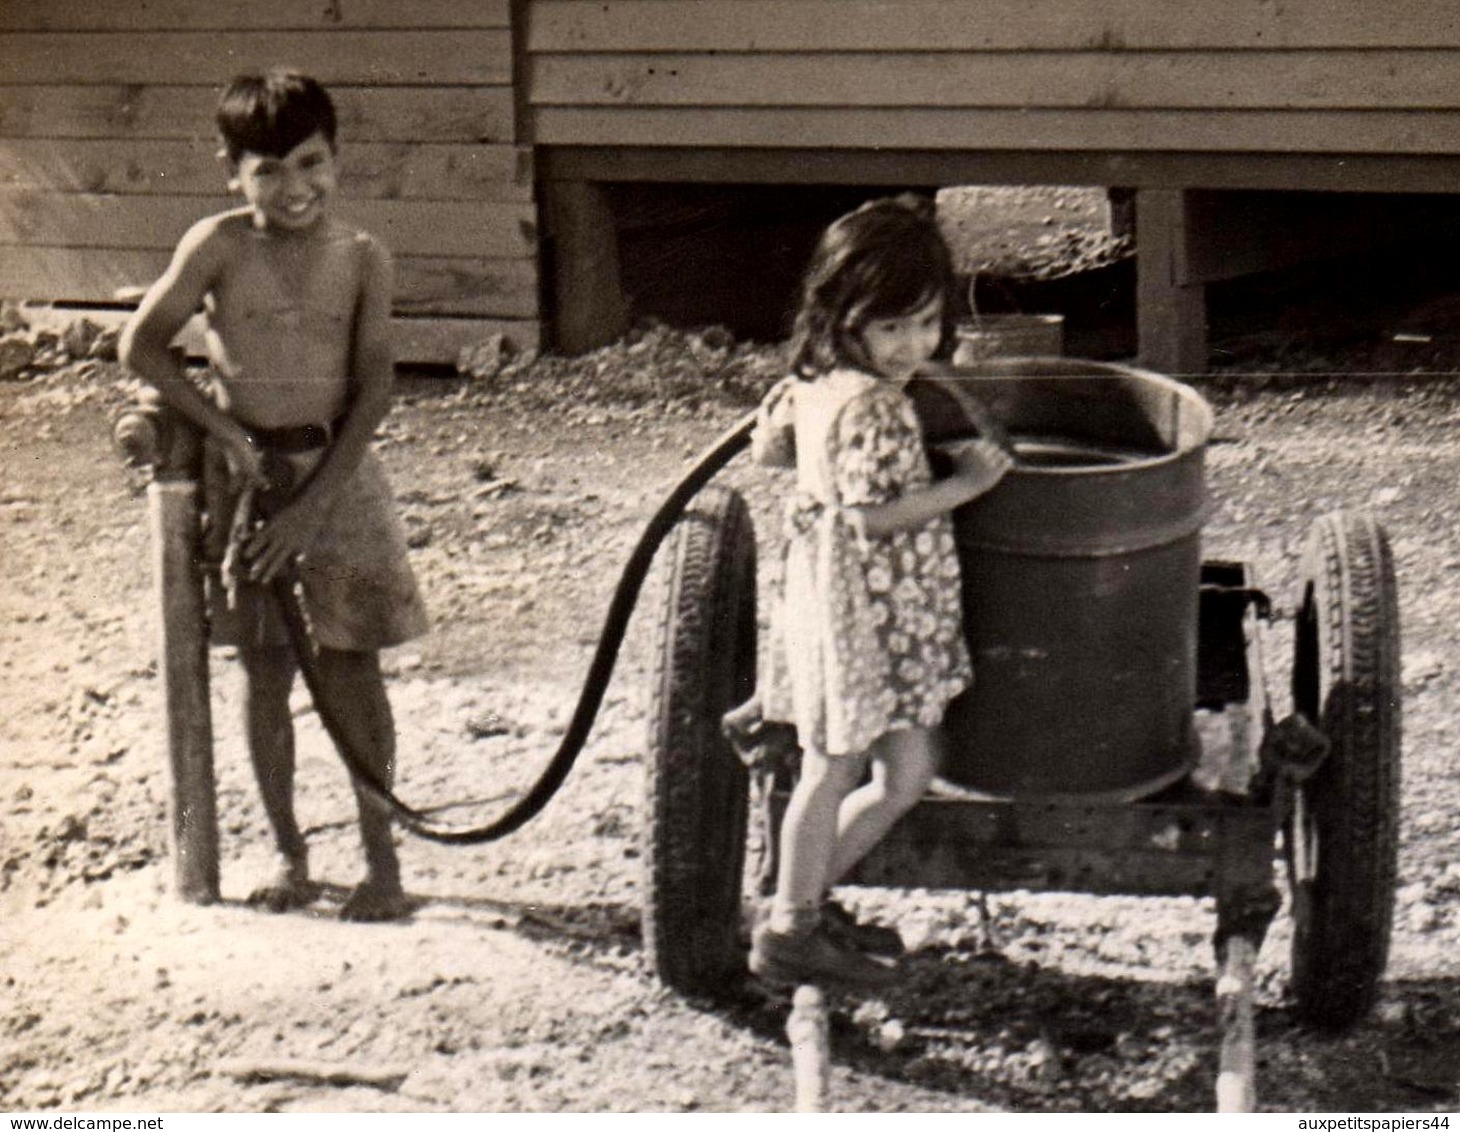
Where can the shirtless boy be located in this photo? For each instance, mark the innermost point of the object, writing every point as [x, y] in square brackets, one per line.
[298, 307]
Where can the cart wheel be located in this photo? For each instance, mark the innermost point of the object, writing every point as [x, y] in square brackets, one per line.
[1341, 838]
[695, 831]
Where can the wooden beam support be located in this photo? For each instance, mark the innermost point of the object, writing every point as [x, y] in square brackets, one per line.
[192, 806]
[1321, 172]
[1171, 320]
[589, 306]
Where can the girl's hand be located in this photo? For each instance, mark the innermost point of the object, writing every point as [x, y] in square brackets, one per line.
[979, 462]
[856, 520]
[773, 442]
[282, 539]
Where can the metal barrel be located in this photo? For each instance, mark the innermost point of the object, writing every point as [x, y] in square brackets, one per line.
[1081, 574]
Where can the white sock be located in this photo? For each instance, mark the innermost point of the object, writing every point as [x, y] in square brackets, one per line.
[787, 918]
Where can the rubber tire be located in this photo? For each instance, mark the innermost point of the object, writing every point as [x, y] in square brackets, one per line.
[1346, 679]
[697, 787]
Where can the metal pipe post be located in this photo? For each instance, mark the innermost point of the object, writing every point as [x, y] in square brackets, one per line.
[1236, 1075]
[807, 1031]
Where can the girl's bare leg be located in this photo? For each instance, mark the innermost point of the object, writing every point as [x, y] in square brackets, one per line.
[903, 765]
[809, 832]
[792, 944]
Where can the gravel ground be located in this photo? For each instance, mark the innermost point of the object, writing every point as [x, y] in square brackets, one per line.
[519, 984]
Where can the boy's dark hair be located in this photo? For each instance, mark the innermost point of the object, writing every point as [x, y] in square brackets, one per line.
[270, 112]
[883, 260]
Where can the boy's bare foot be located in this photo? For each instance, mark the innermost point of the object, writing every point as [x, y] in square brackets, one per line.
[374, 901]
[289, 887]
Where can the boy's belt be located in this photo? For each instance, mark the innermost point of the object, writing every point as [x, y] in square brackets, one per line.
[296, 438]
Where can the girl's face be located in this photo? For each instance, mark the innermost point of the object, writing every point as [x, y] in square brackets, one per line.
[288, 193]
[896, 347]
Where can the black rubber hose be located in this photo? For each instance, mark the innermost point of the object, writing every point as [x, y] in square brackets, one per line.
[595, 684]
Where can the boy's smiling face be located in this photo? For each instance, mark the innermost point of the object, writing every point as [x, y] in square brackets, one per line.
[288, 193]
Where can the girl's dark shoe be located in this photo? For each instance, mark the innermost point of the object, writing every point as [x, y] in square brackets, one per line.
[874, 939]
[813, 956]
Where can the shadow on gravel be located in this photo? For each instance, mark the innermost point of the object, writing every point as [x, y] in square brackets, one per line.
[1020, 1037]
[1028, 1038]
[608, 927]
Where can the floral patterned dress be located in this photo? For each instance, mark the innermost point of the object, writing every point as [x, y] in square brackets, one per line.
[868, 635]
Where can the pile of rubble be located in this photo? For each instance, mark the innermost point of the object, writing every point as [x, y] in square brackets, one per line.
[36, 340]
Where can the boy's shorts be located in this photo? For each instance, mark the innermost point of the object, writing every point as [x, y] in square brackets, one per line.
[359, 592]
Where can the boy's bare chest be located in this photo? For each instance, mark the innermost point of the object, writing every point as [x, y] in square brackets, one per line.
[290, 289]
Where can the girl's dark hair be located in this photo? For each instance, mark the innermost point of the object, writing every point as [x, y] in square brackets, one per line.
[883, 260]
[270, 112]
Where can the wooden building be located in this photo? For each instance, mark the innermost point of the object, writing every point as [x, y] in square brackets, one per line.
[1255, 132]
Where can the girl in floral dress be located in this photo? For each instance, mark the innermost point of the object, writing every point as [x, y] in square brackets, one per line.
[867, 643]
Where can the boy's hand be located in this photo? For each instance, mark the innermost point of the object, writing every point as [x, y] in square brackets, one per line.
[282, 539]
[979, 461]
[245, 461]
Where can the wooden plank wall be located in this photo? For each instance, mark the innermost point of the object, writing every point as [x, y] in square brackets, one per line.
[1171, 98]
[108, 151]
[1057, 76]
